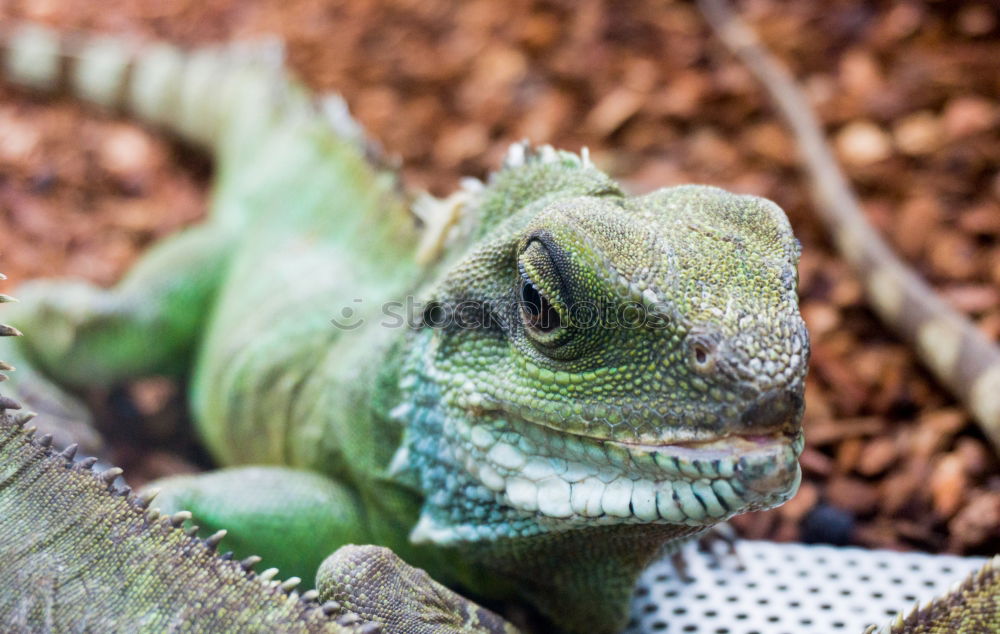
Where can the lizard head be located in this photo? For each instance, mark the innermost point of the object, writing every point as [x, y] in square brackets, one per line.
[612, 359]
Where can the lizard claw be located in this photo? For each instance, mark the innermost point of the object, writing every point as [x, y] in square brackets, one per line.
[709, 543]
[720, 535]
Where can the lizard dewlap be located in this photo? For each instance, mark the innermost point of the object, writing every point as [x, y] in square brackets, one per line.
[594, 377]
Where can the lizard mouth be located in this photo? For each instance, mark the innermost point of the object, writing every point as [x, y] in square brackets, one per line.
[704, 454]
[579, 479]
[758, 461]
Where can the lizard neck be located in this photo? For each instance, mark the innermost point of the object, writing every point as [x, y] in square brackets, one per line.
[563, 566]
[584, 578]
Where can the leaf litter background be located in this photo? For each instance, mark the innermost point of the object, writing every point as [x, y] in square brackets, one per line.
[908, 92]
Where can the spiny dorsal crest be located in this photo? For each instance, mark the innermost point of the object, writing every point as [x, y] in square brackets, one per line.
[966, 606]
[178, 526]
[443, 219]
[7, 331]
[446, 221]
[522, 153]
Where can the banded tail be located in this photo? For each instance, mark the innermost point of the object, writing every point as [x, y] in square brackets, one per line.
[205, 96]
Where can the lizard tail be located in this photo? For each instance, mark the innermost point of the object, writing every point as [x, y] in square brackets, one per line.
[964, 359]
[191, 94]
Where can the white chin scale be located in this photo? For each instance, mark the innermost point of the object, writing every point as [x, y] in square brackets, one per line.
[579, 492]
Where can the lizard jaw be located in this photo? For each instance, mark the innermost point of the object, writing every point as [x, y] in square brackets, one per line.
[575, 480]
[756, 460]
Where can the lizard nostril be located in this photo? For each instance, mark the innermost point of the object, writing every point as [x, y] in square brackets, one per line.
[701, 354]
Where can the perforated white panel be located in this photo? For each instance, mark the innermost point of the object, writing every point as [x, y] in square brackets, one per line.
[790, 588]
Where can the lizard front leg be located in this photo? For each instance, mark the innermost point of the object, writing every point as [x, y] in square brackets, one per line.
[84, 336]
[292, 518]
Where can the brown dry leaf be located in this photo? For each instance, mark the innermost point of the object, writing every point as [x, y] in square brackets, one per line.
[977, 459]
[839, 430]
[904, 488]
[977, 523]
[756, 525]
[973, 299]
[861, 143]
[849, 454]
[820, 317]
[852, 494]
[860, 75]
[152, 394]
[710, 150]
[159, 464]
[953, 255]
[900, 22]
[877, 456]
[880, 533]
[800, 505]
[682, 96]
[548, 116]
[935, 429]
[976, 19]
[948, 485]
[920, 214]
[771, 141]
[846, 391]
[613, 110]
[815, 462]
[459, 143]
[915, 531]
[982, 219]
[968, 115]
[128, 153]
[918, 134]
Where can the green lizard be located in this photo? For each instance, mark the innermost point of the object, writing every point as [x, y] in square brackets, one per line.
[593, 377]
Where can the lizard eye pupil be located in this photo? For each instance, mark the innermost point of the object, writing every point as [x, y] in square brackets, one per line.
[539, 313]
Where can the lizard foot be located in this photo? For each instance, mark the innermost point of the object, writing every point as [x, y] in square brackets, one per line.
[375, 584]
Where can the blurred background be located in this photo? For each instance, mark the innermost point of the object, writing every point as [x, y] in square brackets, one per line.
[909, 93]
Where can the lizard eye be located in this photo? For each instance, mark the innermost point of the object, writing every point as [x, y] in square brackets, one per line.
[537, 310]
[539, 296]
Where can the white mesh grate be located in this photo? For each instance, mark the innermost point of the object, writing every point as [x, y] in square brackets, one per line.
[790, 588]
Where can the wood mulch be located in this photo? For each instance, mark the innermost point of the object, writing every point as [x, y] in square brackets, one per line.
[908, 91]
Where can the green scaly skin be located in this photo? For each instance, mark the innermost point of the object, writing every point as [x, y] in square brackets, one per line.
[971, 607]
[78, 555]
[615, 373]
